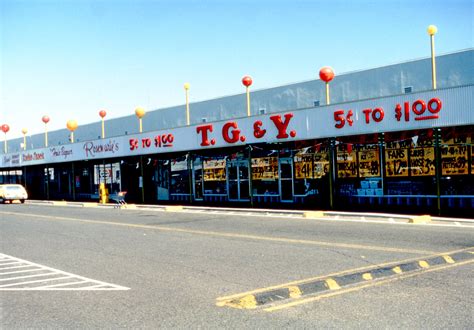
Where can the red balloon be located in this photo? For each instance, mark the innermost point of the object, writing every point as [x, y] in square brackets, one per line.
[326, 74]
[247, 81]
[5, 128]
[45, 119]
[102, 113]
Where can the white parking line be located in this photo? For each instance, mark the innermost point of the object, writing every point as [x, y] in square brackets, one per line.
[14, 281]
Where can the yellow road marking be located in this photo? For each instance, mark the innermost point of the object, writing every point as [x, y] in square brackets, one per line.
[332, 285]
[230, 235]
[348, 271]
[448, 259]
[423, 264]
[371, 284]
[367, 276]
[246, 302]
[397, 270]
[295, 292]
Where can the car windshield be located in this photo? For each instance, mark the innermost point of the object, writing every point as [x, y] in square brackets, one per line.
[13, 188]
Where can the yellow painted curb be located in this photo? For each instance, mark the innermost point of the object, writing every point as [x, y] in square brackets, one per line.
[332, 284]
[59, 202]
[173, 208]
[295, 291]
[128, 206]
[89, 204]
[420, 219]
[313, 214]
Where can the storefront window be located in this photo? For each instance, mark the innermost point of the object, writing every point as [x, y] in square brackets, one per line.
[109, 174]
[215, 176]
[265, 176]
[456, 161]
[410, 165]
[179, 176]
[310, 166]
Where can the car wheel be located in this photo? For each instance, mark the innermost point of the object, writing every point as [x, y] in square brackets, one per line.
[22, 201]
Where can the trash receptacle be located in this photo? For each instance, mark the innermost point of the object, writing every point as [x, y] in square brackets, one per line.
[103, 194]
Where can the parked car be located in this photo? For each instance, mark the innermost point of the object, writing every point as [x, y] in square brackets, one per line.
[11, 192]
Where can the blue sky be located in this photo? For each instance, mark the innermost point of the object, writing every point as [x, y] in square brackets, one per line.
[71, 58]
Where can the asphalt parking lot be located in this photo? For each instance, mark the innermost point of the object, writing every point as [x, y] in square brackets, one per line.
[147, 268]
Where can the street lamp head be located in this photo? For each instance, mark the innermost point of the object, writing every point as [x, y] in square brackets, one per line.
[24, 131]
[5, 128]
[432, 30]
[186, 86]
[45, 119]
[102, 113]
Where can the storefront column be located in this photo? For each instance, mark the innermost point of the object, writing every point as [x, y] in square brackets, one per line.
[332, 172]
[141, 180]
[437, 137]
[190, 175]
[73, 182]
[47, 182]
[381, 139]
[250, 175]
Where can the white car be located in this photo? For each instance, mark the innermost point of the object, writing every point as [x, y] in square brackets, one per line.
[11, 192]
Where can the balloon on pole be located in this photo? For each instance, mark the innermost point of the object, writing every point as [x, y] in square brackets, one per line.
[45, 120]
[326, 74]
[186, 89]
[71, 126]
[140, 113]
[247, 82]
[24, 131]
[102, 114]
[5, 129]
[432, 30]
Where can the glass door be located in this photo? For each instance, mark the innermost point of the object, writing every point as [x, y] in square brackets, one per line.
[238, 180]
[197, 179]
[286, 179]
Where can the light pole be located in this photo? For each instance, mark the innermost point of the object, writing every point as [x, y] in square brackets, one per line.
[432, 29]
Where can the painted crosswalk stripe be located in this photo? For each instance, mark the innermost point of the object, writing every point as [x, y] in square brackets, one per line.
[28, 276]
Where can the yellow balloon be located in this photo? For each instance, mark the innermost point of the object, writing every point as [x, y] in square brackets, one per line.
[71, 125]
[186, 86]
[432, 29]
[24, 131]
[140, 112]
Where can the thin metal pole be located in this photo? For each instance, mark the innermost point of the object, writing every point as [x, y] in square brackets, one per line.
[248, 101]
[438, 167]
[187, 108]
[328, 101]
[433, 62]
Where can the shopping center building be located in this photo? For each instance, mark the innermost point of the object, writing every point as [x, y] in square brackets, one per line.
[386, 142]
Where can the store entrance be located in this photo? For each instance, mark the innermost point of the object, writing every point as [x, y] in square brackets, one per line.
[286, 179]
[238, 180]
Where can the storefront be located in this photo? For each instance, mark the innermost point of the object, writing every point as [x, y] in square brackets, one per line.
[406, 153]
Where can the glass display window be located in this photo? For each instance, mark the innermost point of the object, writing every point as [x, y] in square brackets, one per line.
[179, 176]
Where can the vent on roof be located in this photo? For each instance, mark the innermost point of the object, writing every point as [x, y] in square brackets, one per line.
[204, 120]
[316, 103]
[262, 111]
[408, 89]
